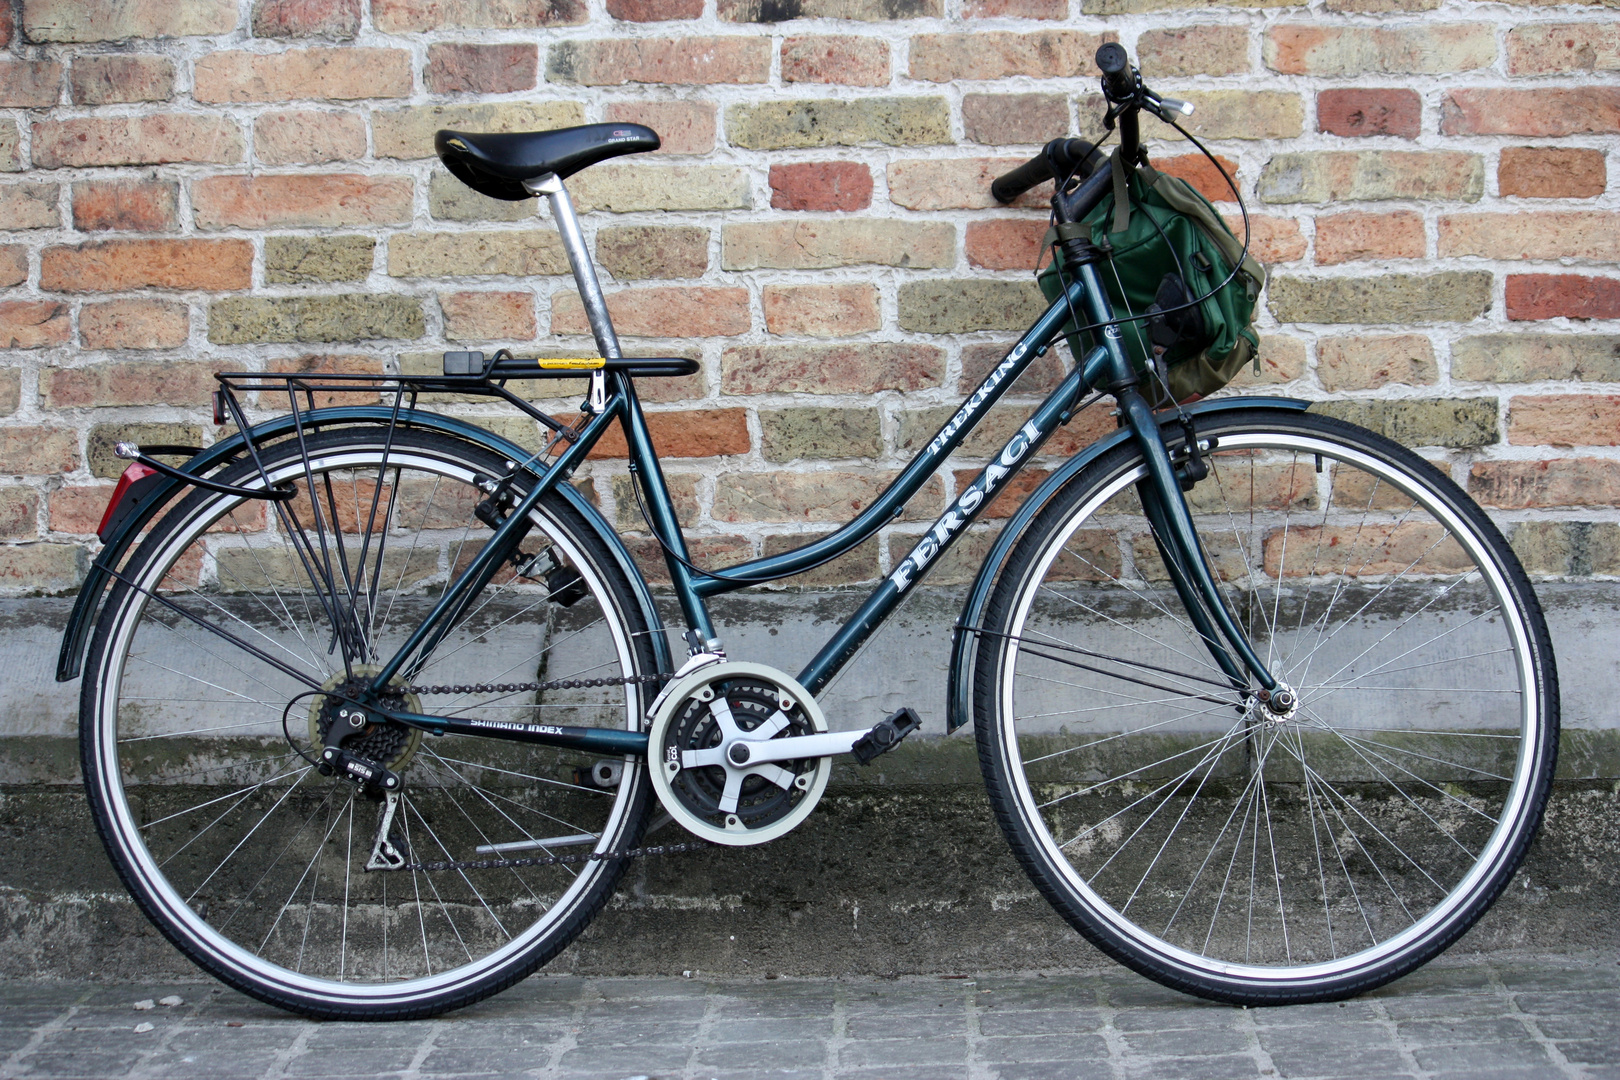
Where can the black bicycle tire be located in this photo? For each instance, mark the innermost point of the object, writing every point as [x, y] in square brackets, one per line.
[515, 969]
[994, 765]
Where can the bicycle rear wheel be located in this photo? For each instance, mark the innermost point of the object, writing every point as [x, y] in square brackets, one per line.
[1191, 835]
[202, 714]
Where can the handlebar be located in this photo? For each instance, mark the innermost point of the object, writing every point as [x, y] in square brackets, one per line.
[1060, 156]
[1126, 98]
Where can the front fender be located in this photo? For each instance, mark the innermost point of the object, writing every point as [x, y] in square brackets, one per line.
[959, 706]
[76, 638]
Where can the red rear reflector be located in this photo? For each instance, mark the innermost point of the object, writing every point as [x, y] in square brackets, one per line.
[136, 471]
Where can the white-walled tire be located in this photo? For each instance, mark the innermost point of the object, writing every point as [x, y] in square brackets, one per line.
[247, 858]
[1224, 851]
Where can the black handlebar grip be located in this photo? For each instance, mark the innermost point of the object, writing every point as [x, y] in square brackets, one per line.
[1066, 156]
[1034, 171]
[1115, 64]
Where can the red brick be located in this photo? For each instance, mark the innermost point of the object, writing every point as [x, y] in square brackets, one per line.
[307, 136]
[1555, 48]
[488, 316]
[7, 26]
[481, 69]
[119, 265]
[78, 509]
[306, 18]
[300, 74]
[1351, 237]
[685, 127]
[13, 264]
[412, 16]
[1006, 244]
[259, 202]
[693, 433]
[30, 84]
[1201, 173]
[667, 311]
[1565, 420]
[1551, 172]
[34, 324]
[136, 140]
[1045, 54]
[163, 382]
[821, 310]
[1271, 239]
[654, 10]
[1525, 485]
[1015, 9]
[821, 185]
[845, 60]
[694, 61]
[1548, 113]
[114, 78]
[1571, 296]
[1369, 111]
[126, 205]
[38, 451]
[1009, 119]
[133, 324]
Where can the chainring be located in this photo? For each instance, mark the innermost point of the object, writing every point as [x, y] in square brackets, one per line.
[719, 801]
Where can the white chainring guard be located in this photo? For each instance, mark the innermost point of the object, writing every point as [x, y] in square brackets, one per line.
[669, 706]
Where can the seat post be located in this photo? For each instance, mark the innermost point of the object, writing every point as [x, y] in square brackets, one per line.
[579, 259]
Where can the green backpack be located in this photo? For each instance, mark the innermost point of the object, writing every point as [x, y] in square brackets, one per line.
[1200, 349]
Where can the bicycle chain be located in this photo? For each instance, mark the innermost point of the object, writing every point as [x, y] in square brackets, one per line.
[548, 860]
[529, 687]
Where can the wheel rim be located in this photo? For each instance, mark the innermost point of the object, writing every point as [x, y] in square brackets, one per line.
[458, 932]
[1348, 835]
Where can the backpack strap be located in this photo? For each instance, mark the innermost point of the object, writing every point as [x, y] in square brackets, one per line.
[1122, 194]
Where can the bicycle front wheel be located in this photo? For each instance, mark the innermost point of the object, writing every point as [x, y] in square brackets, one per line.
[1199, 839]
[203, 716]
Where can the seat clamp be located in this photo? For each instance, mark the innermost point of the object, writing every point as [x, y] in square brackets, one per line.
[543, 185]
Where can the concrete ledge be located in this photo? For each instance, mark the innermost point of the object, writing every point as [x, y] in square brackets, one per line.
[880, 881]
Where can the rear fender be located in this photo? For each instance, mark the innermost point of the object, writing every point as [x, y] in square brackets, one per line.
[959, 704]
[75, 639]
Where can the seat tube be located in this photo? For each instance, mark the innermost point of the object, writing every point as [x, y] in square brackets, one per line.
[579, 260]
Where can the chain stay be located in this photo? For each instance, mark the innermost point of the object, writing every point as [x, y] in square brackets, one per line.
[552, 860]
[548, 860]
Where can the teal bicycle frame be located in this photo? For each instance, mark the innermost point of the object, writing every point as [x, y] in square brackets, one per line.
[1104, 367]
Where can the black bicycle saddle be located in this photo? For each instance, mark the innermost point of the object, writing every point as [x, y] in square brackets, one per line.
[497, 164]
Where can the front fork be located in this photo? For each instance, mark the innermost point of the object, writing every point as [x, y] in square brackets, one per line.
[1166, 508]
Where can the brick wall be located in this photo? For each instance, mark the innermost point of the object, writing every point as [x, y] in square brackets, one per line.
[197, 184]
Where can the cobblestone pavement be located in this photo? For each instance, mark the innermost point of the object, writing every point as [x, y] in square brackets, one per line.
[1497, 1018]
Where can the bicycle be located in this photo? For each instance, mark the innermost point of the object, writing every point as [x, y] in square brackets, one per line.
[377, 704]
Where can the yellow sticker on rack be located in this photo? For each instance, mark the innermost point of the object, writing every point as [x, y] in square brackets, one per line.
[579, 363]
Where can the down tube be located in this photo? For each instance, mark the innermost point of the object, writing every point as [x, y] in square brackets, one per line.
[944, 532]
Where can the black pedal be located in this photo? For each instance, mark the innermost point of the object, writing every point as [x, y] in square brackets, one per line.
[886, 735]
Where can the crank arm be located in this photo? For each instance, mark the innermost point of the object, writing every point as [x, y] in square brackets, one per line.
[865, 745]
[793, 748]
